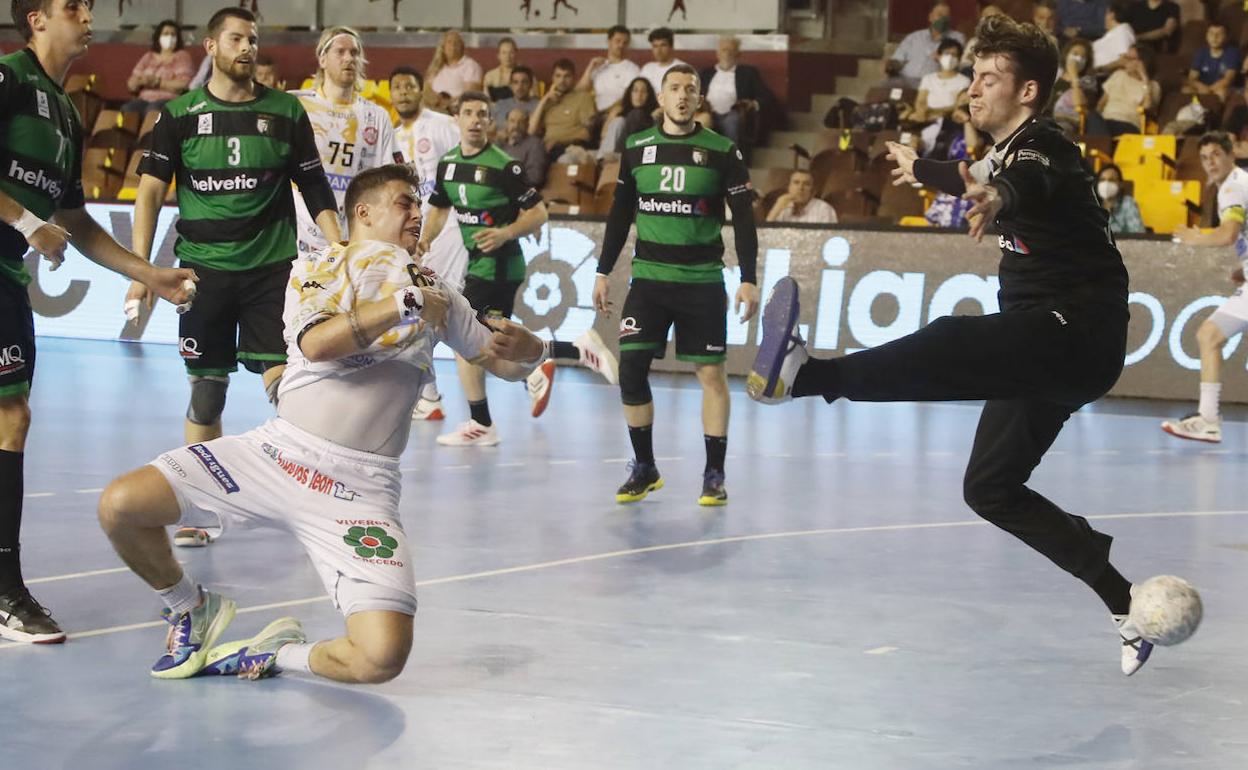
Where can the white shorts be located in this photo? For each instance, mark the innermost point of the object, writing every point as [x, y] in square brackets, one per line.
[1232, 316]
[341, 504]
[447, 256]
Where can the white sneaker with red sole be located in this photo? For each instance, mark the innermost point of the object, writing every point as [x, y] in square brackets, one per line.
[539, 384]
[428, 410]
[191, 537]
[595, 355]
[471, 433]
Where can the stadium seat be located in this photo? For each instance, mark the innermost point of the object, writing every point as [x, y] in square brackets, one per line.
[114, 129]
[571, 183]
[1146, 156]
[901, 201]
[81, 91]
[103, 169]
[1164, 203]
[835, 170]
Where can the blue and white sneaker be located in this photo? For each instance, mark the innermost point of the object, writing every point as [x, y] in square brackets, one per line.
[192, 634]
[254, 658]
[782, 352]
[1135, 650]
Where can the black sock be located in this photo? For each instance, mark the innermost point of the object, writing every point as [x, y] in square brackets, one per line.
[564, 350]
[11, 492]
[1114, 590]
[716, 448]
[480, 411]
[643, 443]
[818, 377]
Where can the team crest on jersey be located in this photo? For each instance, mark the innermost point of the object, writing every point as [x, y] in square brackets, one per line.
[650, 154]
[424, 145]
[205, 124]
[263, 125]
[450, 172]
[699, 157]
[479, 175]
[370, 135]
[41, 97]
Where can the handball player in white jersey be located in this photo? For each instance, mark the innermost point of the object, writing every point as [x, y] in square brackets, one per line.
[361, 323]
[421, 138]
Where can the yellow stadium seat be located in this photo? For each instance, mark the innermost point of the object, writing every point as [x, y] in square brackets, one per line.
[1163, 202]
[1149, 156]
[914, 222]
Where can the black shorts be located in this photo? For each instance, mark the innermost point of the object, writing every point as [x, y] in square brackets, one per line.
[236, 316]
[491, 299]
[17, 339]
[699, 311]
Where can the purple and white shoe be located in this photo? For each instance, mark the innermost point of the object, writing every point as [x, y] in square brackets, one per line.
[782, 352]
[254, 658]
[1135, 649]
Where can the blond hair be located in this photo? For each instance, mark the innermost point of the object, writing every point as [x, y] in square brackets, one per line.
[322, 45]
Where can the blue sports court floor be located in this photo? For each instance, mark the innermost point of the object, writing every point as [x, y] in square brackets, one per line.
[845, 610]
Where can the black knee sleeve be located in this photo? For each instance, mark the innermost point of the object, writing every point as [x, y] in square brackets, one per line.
[207, 399]
[635, 377]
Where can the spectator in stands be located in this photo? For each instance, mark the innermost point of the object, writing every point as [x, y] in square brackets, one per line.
[1109, 49]
[916, 54]
[968, 57]
[522, 98]
[1129, 91]
[662, 47]
[1213, 67]
[799, 204]
[1044, 16]
[515, 140]
[161, 74]
[732, 89]
[1124, 213]
[1082, 18]
[1077, 90]
[636, 113]
[498, 80]
[608, 77]
[938, 91]
[267, 74]
[564, 117]
[1156, 22]
[451, 72]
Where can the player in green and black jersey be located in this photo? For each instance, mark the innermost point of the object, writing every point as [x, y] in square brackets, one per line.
[234, 147]
[41, 141]
[675, 180]
[495, 206]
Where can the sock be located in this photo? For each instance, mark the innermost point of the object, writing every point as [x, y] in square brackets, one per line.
[182, 596]
[1210, 395]
[716, 448]
[429, 391]
[1114, 590]
[643, 443]
[818, 377]
[481, 412]
[11, 495]
[565, 350]
[295, 657]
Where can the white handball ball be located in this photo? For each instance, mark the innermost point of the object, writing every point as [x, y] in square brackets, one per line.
[1166, 610]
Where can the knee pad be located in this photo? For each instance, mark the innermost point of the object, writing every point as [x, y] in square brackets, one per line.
[207, 399]
[635, 377]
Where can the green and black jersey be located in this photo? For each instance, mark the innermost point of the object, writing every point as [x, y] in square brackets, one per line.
[676, 188]
[40, 149]
[234, 162]
[488, 189]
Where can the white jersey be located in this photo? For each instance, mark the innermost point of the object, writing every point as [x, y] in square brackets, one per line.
[351, 138]
[423, 143]
[1232, 206]
[364, 401]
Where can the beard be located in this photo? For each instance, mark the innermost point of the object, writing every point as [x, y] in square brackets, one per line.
[410, 111]
[239, 73]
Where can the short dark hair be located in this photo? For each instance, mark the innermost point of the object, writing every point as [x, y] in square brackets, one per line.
[1220, 138]
[567, 65]
[1029, 49]
[1109, 167]
[1217, 23]
[523, 70]
[407, 69]
[161, 28]
[662, 33]
[472, 96]
[950, 42]
[366, 182]
[218, 19]
[506, 40]
[679, 69]
[618, 29]
[20, 9]
[1119, 8]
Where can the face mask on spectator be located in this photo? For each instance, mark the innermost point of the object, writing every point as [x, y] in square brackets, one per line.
[1107, 189]
[948, 62]
[1076, 60]
[167, 42]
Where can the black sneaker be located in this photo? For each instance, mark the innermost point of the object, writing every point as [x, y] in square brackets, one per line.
[643, 478]
[713, 492]
[22, 619]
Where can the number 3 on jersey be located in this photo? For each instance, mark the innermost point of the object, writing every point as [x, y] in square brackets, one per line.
[672, 179]
[236, 145]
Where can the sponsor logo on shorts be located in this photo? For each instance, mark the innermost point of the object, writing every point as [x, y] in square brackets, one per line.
[12, 359]
[629, 327]
[1013, 244]
[188, 347]
[715, 348]
[371, 541]
[174, 465]
[213, 466]
[311, 478]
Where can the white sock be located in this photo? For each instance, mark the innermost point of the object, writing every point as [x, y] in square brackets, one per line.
[295, 657]
[429, 391]
[1210, 396]
[182, 596]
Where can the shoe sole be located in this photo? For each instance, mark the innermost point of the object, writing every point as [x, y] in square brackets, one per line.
[433, 416]
[612, 365]
[22, 637]
[198, 539]
[620, 497]
[712, 501]
[540, 405]
[779, 318]
[222, 651]
[1187, 437]
[194, 664]
[494, 442]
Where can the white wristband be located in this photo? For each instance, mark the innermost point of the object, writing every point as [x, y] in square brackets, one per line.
[410, 302]
[27, 224]
[548, 351]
